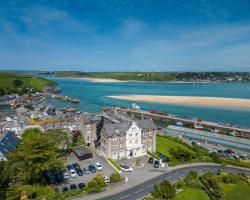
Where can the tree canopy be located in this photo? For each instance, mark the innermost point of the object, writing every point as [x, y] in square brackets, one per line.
[35, 156]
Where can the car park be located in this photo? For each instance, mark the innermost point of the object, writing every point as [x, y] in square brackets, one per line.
[78, 169]
[156, 164]
[92, 169]
[65, 189]
[151, 160]
[98, 166]
[126, 168]
[73, 187]
[81, 185]
[86, 170]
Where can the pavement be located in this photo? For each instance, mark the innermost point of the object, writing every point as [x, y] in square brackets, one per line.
[132, 190]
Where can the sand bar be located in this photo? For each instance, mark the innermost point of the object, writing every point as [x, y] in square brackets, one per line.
[100, 80]
[233, 103]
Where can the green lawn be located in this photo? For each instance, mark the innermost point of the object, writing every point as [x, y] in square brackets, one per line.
[192, 194]
[239, 191]
[163, 145]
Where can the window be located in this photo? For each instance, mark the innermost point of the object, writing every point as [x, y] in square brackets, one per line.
[136, 134]
[130, 141]
[130, 135]
[136, 141]
[114, 139]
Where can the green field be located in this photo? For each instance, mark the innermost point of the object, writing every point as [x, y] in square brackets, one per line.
[6, 81]
[192, 194]
[163, 145]
[239, 191]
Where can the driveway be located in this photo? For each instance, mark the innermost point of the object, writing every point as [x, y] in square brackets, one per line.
[141, 174]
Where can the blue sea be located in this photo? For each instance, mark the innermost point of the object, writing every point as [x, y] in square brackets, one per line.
[93, 97]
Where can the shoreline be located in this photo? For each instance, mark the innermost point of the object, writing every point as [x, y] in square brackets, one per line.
[111, 80]
[221, 102]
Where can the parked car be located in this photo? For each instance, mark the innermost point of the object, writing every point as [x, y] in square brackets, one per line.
[98, 166]
[151, 160]
[126, 168]
[72, 187]
[156, 164]
[65, 189]
[81, 185]
[86, 170]
[78, 169]
[106, 179]
[92, 169]
[66, 175]
[162, 157]
[71, 171]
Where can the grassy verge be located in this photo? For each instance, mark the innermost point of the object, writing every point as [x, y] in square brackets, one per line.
[115, 164]
[240, 191]
[192, 193]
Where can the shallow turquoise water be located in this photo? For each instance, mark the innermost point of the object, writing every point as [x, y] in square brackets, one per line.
[93, 97]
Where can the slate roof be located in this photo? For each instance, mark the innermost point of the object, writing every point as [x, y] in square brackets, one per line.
[121, 128]
[8, 143]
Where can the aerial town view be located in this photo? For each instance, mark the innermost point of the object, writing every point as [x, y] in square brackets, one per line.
[124, 100]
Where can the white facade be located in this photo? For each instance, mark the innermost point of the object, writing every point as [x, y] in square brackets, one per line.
[133, 142]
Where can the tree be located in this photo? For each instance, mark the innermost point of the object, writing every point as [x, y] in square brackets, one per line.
[60, 138]
[78, 139]
[17, 83]
[115, 177]
[181, 154]
[164, 190]
[35, 156]
[97, 183]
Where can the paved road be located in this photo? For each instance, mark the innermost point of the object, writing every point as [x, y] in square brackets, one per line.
[146, 187]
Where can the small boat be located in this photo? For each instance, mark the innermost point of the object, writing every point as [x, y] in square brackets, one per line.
[135, 106]
[198, 126]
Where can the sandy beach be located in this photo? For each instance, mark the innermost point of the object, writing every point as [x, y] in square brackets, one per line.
[101, 80]
[233, 103]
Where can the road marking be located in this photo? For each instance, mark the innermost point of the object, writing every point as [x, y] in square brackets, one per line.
[125, 196]
[150, 185]
[138, 191]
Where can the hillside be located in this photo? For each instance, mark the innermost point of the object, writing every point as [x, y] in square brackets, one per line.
[11, 82]
[160, 76]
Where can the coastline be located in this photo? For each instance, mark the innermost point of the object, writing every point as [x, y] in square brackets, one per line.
[221, 102]
[111, 80]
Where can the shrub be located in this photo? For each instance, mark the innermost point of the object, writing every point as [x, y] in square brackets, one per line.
[181, 154]
[164, 191]
[115, 177]
[117, 166]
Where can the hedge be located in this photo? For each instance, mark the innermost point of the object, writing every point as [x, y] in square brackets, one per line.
[153, 155]
[117, 166]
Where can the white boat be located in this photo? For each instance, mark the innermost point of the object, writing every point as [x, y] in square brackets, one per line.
[198, 126]
[135, 106]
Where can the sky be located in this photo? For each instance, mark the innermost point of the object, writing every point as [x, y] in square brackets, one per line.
[125, 35]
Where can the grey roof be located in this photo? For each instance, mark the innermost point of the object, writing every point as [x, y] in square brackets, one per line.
[80, 151]
[117, 129]
[146, 124]
[122, 128]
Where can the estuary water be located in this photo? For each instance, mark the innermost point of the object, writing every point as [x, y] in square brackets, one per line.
[93, 97]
